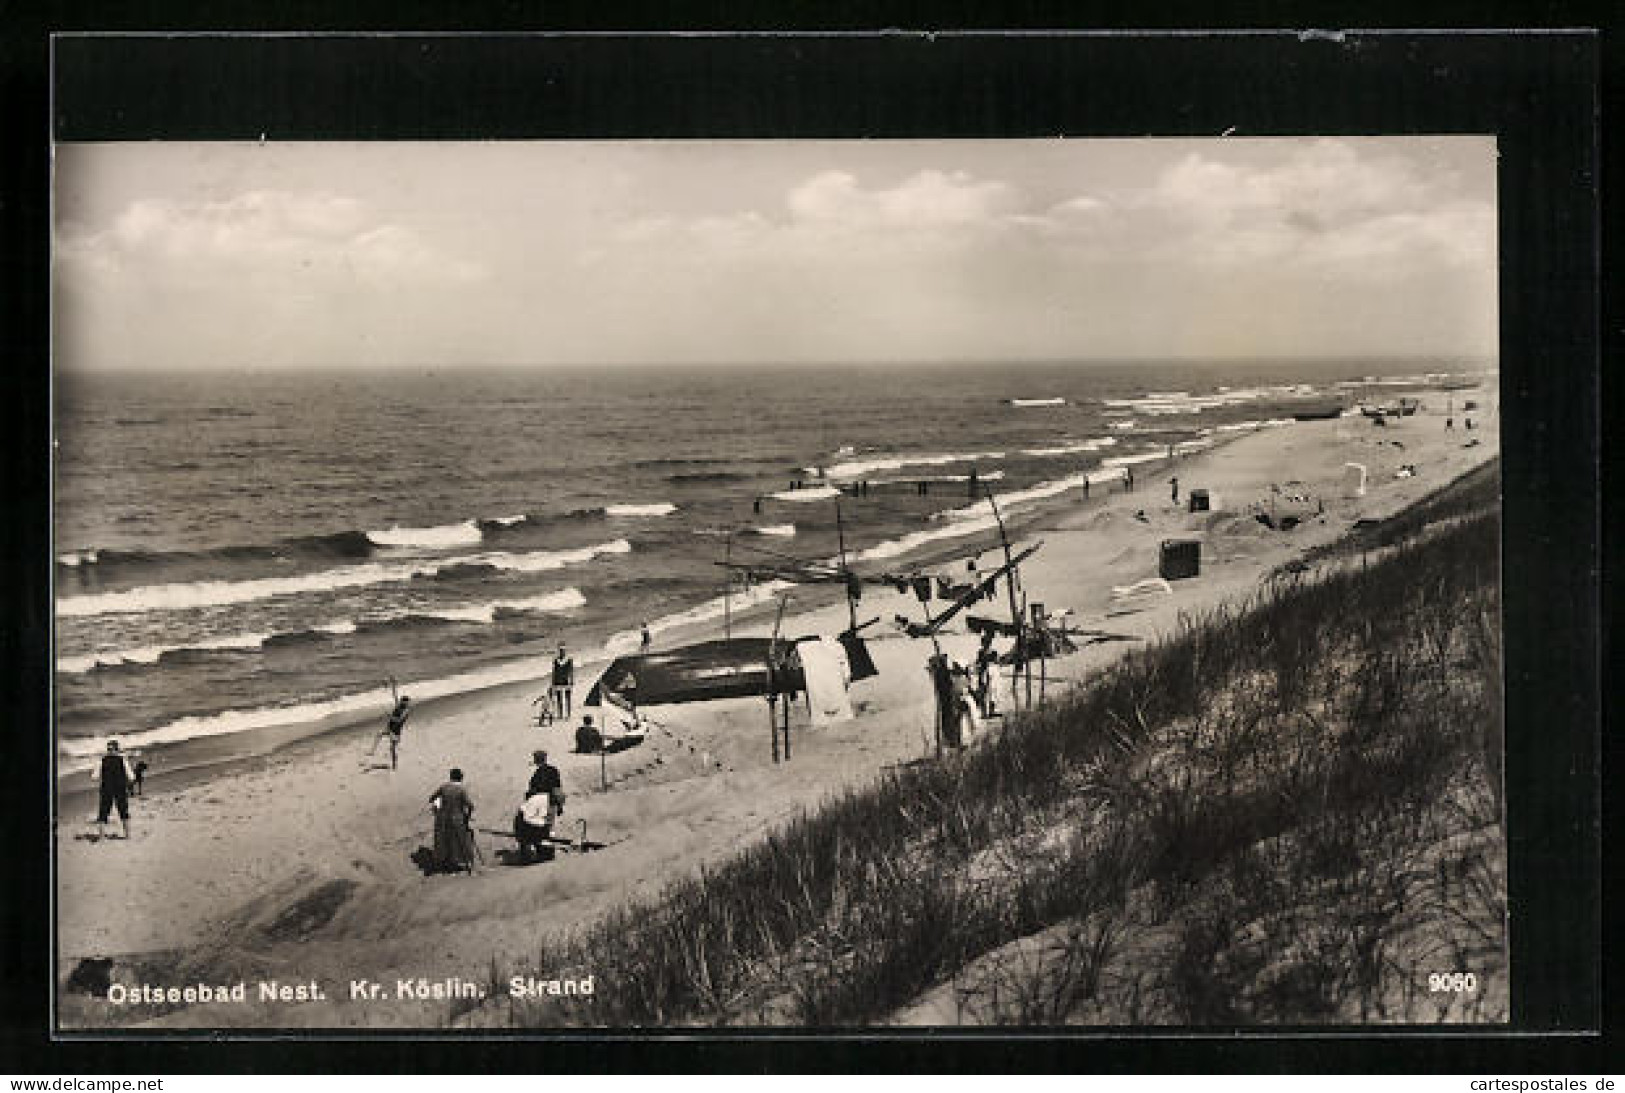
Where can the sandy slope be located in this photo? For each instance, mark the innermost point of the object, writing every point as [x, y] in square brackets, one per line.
[234, 878]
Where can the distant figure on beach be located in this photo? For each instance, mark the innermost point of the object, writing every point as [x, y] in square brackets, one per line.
[1449, 423]
[113, 779]
[972, 480]
[1174, 483]
[646, 640]
[454, 848]
[1086, 487]
[564, 681]
[1468, 424]
[394, 727]
[756, 506]
[140, 776]
[1128, 479]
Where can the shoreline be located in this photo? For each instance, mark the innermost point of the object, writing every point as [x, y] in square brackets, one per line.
[197, 760]
[214, 867]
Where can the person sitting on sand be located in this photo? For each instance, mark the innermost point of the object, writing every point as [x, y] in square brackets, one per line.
[564, 681]
[589, 741]
[112, 777]
[454, 848]
[394, 727]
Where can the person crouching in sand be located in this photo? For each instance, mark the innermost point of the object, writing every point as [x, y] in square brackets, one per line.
[544, 802]
[112, 777]
[454, 848]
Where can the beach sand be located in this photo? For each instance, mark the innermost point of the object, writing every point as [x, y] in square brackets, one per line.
[296, 867]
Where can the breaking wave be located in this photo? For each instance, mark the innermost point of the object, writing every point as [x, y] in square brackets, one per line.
[857, 468]
[439, 537]
[177, 597]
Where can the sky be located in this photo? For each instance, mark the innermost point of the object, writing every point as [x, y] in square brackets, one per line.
[277, 255]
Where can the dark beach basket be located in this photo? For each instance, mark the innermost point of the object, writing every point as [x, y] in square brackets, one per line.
[1180, 558]
[1199, 501]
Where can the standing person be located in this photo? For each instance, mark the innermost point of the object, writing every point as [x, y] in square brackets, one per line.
[646, 640]
[394, 727]
[112, 777]
[986, 660]
[140, 777]
[564, 681]
[1086, 487]
[1128, 479]
[1174, 482]
[454, 848]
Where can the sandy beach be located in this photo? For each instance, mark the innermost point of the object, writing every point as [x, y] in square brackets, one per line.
[296, 867]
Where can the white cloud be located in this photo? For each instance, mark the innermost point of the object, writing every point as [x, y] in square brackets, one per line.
[928, 199]
[260, 233]
[1326, 205]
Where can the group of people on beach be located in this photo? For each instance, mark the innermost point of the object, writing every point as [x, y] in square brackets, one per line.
[455, 849]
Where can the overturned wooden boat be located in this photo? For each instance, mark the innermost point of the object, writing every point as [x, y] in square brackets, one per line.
[702, 672]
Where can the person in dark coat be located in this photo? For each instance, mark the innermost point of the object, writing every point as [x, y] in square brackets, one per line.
[454, 849]
[113, 780]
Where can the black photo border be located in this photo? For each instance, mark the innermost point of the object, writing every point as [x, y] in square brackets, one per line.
[1537, 91]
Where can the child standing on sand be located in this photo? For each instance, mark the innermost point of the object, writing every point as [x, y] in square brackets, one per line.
[394, 727]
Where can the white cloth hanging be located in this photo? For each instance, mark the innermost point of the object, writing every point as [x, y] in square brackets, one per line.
[824, 667]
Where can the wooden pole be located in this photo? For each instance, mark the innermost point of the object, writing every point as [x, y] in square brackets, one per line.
[773, 679]
[728, 590]
[840, 539]
[1009, 580]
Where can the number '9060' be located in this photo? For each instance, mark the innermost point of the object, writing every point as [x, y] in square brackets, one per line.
[1460, 982]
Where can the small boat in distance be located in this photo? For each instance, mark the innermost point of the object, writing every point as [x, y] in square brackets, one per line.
[1057, 401]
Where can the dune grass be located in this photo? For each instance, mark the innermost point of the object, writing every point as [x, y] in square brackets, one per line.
[1287, 812]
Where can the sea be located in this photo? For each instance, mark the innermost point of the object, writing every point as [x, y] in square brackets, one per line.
[241, 555]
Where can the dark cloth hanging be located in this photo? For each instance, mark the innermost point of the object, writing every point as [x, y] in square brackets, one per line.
[857, 656]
